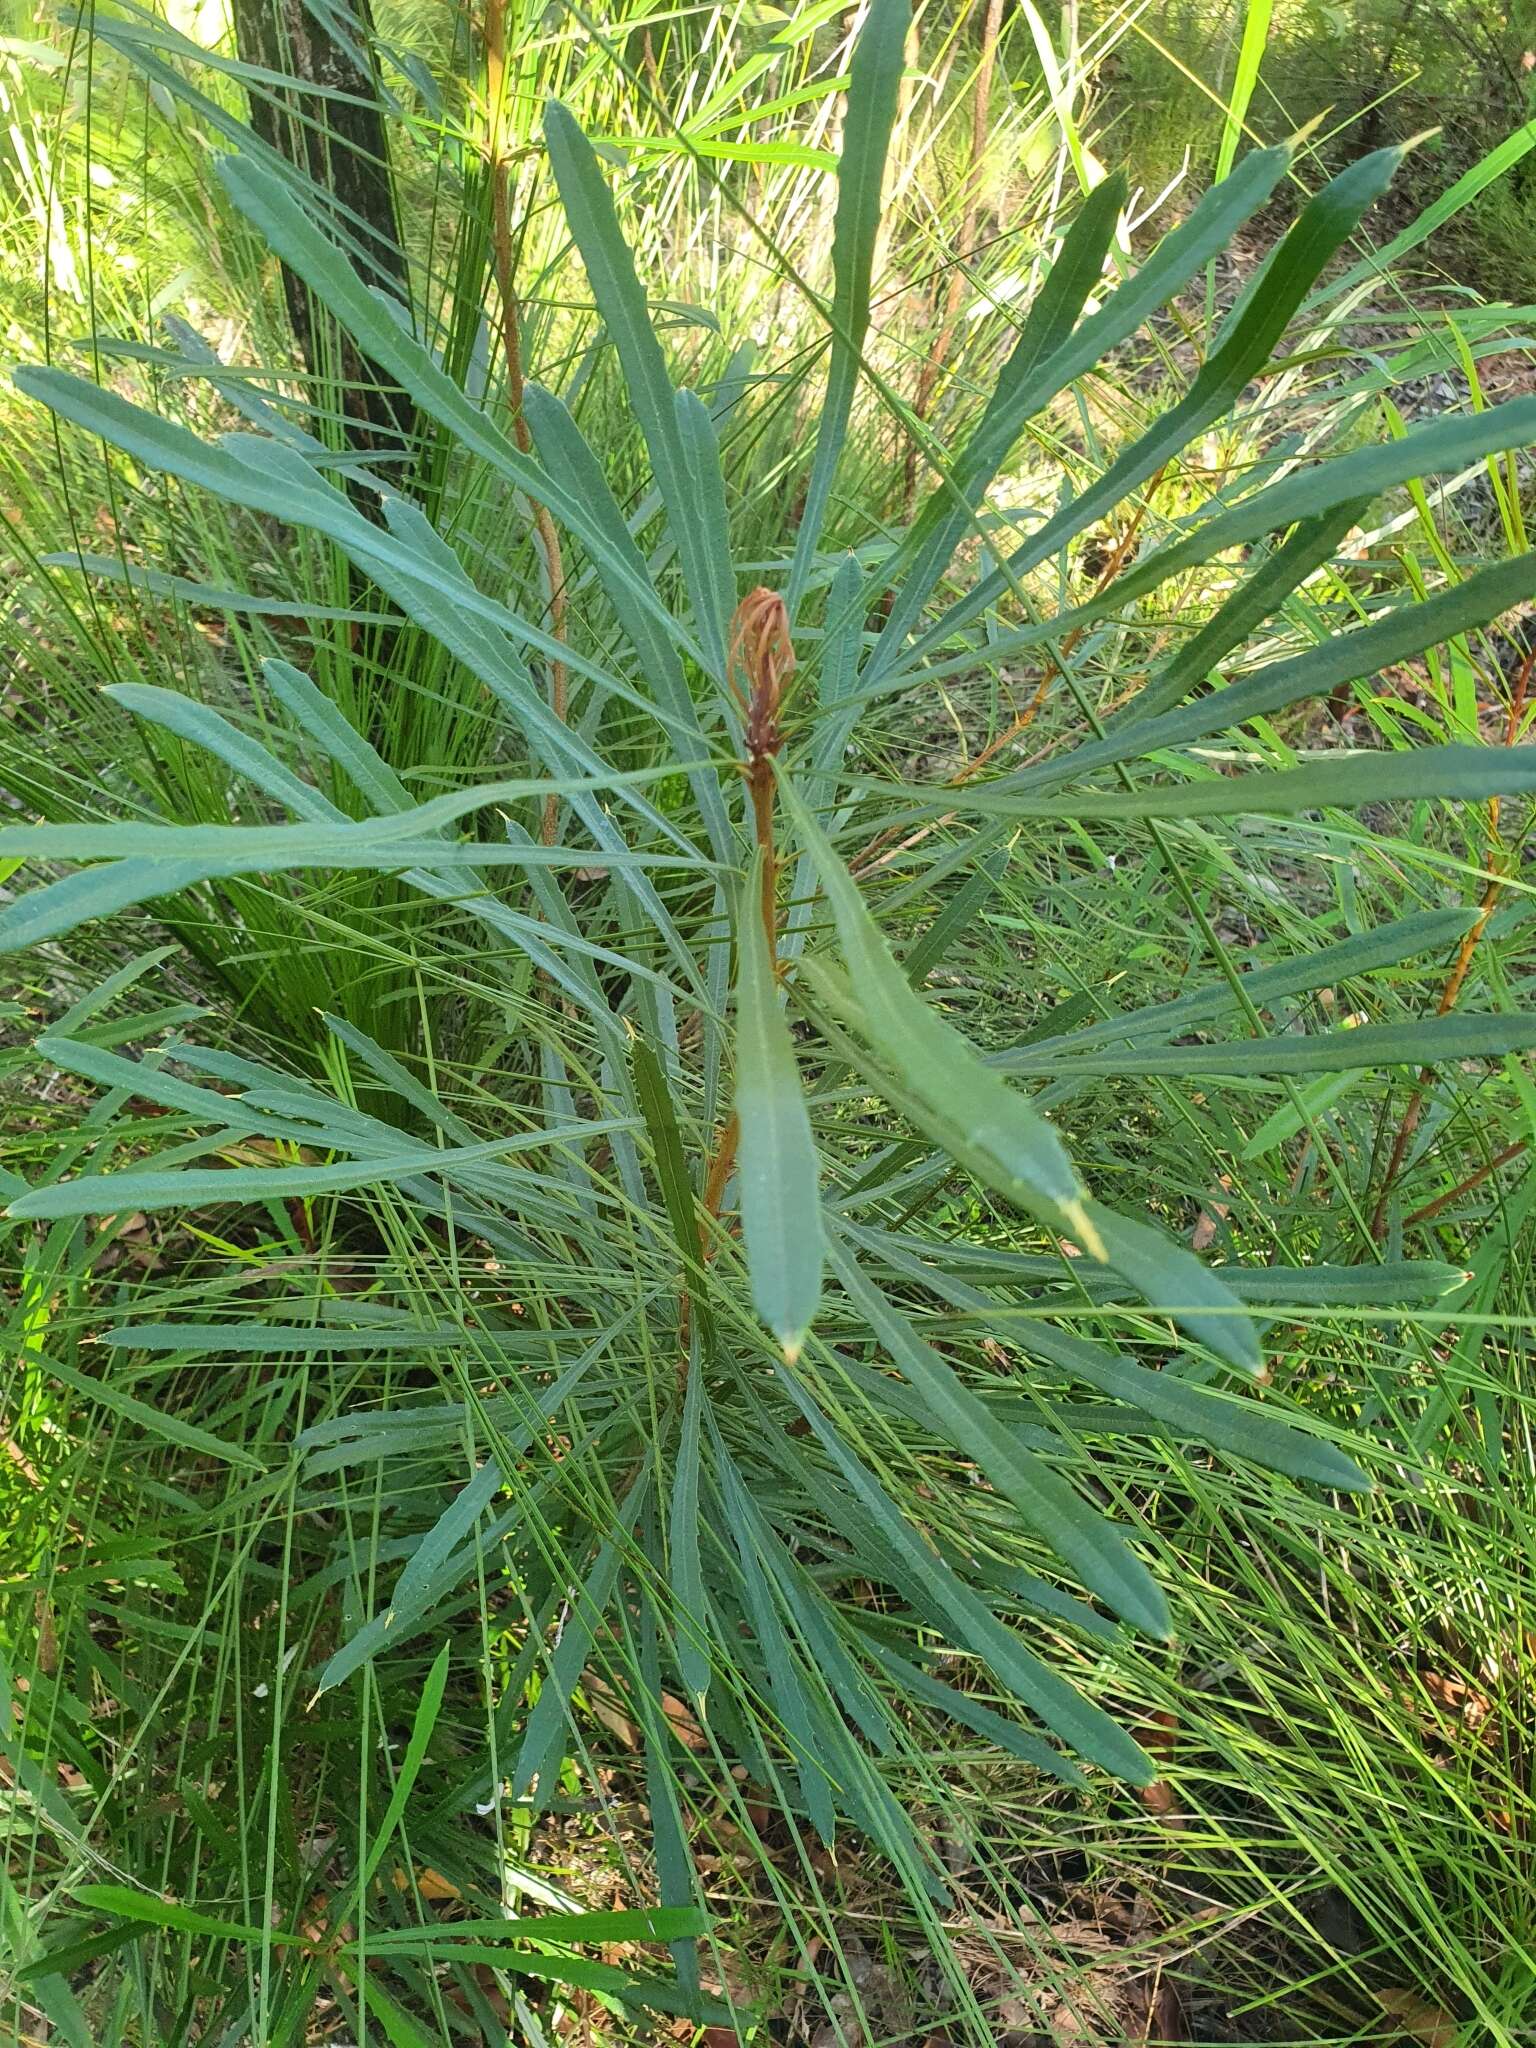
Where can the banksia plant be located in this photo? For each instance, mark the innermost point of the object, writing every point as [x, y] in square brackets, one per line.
[702, 1404]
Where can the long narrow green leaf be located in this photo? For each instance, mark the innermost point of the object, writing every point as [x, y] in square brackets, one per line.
[778, 1171]
[320, 721]
[1393, 1282]
[1006, 1735]
[440, 1565]
[400, 2030]
[557, 1930]
[1426, 1041]
[784, 1678]
[1250, 56]
[873, 89]
[113, 569]
[691, 1632]
[201, 726]
[654, 1094]
[101, 1194]
[537, 1757]
[932, 1058]
[1082, 1537]
[564, 447]
[942, 523]
[146, 1078]
[132, 1905]
[622, 303]
[1405, 631]
[1256, 598]
[1424, 931]
[1486, 171]
[374, 322]
[414, 1589]
[423, 1722]
[155, 1421]
[1077, 1721]
[675, 1878]
[1245, 348]
[1175, 1280]
[1454, 773]
[1443, 445]
[89, 894]
[1236, 1424]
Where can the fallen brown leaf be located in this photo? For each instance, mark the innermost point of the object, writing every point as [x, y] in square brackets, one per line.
[1211, 1216]
[431, 1884]
[1430, 2025]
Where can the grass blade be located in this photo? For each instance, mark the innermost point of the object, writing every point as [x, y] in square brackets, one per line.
[691, 1632]
[424, 1721]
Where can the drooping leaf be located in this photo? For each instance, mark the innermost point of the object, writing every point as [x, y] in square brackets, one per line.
[933, 1059]
[777, 1166]
[989, 1128]
[1173, 1279]
[1084, 1726]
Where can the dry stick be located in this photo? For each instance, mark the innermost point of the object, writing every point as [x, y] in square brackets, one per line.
[1489, 1167]
[933, 366]
[1455, 981]
[512, 350]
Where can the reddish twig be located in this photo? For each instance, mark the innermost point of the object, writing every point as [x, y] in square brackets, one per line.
[1456, 980]
[1489, 1167]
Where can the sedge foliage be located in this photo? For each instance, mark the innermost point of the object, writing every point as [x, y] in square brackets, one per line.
[501, 1393]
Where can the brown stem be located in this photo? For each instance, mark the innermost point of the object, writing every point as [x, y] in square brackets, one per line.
[512, 351]
[760, 782]
[720, 1170]
[1456, 979]
[1489, 1167]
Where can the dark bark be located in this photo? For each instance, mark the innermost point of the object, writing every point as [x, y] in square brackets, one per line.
[342, 145]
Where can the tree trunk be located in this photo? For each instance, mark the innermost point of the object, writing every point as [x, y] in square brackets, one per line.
[342, 146]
